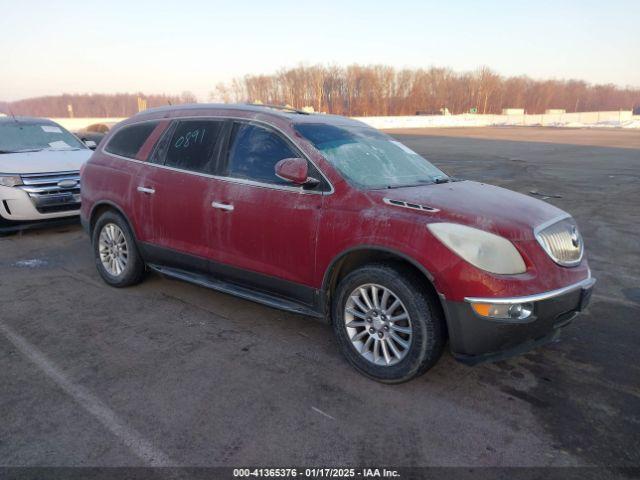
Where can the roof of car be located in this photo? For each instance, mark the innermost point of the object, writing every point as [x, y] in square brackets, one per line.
[289, 113]
[38, 120]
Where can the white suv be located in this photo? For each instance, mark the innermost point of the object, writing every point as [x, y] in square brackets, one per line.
[39, 172]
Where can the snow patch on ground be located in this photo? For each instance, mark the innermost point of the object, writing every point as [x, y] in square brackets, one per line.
[631, 124]
[568, 120]
[31, 263]
[604, 124]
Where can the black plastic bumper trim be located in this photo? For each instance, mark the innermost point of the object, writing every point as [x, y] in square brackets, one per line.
[505, 354]
[474, 339]
[18, 226]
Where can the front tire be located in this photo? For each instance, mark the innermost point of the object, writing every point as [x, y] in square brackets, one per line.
[387, 323]
[116, 254]
[6, 224]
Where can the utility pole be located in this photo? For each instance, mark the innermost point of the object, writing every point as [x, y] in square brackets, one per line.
[142, 104]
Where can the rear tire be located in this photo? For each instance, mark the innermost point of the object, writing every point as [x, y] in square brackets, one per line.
[116, 254]
[403, 316]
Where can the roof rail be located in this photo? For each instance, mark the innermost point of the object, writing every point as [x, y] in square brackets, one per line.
[284, 108]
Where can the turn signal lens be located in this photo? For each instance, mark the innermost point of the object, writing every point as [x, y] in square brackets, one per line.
[504, 311]
[481, 308]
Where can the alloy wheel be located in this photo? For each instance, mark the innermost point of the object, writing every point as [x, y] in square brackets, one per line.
[113, 249]
[378, 324]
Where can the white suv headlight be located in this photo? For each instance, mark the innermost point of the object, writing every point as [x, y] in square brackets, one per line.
[482, 249]
[10, 180]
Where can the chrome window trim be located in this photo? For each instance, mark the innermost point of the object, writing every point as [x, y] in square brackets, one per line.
[537, 230]
[586, 283]
[242, 181]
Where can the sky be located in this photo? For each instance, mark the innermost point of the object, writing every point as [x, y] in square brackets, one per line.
[68, 46]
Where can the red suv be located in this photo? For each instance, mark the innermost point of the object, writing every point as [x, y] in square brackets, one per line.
[325, 216]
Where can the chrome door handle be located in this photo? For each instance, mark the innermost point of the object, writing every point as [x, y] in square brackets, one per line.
[150, 191]
[222, 206]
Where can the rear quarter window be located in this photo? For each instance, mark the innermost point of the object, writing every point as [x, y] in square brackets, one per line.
[127, 141]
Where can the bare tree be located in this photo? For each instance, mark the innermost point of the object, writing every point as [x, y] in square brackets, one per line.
[362, 90]
[93, 105]
[382, 90]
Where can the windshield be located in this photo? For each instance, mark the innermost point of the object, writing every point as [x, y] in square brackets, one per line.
[368, 158]
[32, 137]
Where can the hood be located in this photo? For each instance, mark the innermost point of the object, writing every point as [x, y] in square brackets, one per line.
[45, 161]
[493, 209]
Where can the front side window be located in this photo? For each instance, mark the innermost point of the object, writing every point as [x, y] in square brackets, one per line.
[254, 152]
[192, 145]
[368, 158]
[127, 141]
[16, 137]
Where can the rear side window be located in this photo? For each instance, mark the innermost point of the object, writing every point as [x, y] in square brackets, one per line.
[193, 145]
[128, 140]
[254, 152]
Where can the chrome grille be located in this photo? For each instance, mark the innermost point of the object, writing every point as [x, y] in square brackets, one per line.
[562, 241]
[53, 192]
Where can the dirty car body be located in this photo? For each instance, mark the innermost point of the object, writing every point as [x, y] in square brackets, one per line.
[324, 216]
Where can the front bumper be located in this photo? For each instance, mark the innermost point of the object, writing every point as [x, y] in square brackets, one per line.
[474, 339]
[16, 205]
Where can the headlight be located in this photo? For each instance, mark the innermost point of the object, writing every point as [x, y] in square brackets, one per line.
[10, 180]
[482, 249]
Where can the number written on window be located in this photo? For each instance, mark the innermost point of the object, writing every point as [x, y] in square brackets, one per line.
[193, 145]
[194, 137]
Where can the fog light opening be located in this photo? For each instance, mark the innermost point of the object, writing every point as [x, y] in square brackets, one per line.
[520, 311]
[504, 311]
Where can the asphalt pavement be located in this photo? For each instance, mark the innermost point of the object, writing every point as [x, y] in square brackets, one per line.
[167, 373]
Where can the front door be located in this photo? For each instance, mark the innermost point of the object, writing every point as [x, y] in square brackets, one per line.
[268, 226]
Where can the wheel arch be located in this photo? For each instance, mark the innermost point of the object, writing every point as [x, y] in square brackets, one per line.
[355, 257]
[104, 206]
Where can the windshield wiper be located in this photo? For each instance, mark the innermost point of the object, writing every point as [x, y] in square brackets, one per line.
[439, 180]
[408, 185]
[22, 151]
[419, 183]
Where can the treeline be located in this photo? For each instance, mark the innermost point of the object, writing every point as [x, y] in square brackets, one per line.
[358, 90]
[92, 105]
[382, 90]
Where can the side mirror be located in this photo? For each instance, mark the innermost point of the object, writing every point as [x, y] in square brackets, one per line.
[295, 170]
[91, 144]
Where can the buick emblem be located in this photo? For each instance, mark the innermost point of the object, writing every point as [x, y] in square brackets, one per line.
[575, 237]
[67, 183]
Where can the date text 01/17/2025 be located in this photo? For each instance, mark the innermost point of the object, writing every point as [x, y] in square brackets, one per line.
[315, 473]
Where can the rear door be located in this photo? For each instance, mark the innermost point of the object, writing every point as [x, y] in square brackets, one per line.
[128, 150]
[268, 226]
[178, 189]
